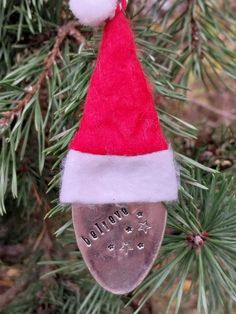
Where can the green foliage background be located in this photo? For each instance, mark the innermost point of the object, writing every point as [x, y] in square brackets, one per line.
[191, 39]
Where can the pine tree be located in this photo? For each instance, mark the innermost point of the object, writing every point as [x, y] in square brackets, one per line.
[46, 59]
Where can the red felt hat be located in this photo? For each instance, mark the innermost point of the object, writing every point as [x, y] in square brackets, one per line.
[119, 154]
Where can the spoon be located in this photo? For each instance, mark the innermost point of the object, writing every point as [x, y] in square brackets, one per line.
[119, 242]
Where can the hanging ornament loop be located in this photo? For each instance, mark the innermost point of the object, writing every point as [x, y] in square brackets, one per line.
[122, 5]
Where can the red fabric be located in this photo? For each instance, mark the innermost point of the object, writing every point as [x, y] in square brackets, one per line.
[124, 4]
[119, 116]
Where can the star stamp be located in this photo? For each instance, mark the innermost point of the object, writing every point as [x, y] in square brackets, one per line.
[143, 226]
[126, 248]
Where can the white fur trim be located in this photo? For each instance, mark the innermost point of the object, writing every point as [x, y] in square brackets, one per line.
[93, 12]
[97, 179]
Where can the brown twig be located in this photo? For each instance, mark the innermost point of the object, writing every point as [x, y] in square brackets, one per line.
[18, 288]
[227, 115]
[69, 29]
[194, 27]
[43, 245]
[13, 253]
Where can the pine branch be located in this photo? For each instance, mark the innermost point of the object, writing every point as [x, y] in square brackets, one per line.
[49, 86]
[205, 39]
[202, 250]
[70, 29]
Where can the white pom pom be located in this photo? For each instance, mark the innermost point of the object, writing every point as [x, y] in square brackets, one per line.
[93, 12]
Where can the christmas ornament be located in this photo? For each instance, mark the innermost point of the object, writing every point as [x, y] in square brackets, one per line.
[119, 242]
[119, 167]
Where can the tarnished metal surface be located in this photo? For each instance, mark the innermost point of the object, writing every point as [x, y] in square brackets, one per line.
[119, 243]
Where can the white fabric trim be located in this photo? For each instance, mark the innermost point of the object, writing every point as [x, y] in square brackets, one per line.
[98, 179]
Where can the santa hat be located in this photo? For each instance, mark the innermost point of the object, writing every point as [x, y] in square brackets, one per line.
[119, 154]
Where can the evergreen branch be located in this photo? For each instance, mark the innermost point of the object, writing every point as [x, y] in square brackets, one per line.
[206, 40]
[199, 245]
[194, 27]
[70, 29]
[40, 247]
[203, 249]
